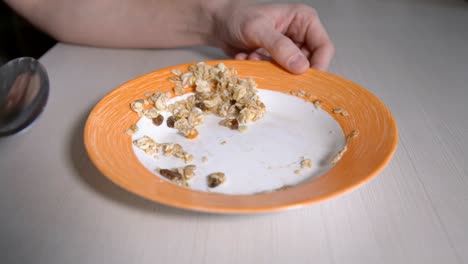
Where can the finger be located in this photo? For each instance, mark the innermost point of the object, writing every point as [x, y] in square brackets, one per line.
[322, 56]
[255, 56]
[305, 51]
[282, 49]
[262, 52]
[241, 56]
[319, 44]
[259, 54]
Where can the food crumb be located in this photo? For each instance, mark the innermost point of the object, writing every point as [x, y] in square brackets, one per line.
[204, 159]
[352, 135]
[192, 134]
[230, 123]
[224, 142]
[338, 156]
[300, 93]
[306, 164]
[317, 104]
[189, 171]
[242, 128]
[340, 111]
[151, 113]
[215, 179]
[137, 106]
[132, 130]
[176, 72]
[149, 146]
[179, 176]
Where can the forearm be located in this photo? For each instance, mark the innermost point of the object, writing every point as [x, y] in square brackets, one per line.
[125, 23]
[291, 34]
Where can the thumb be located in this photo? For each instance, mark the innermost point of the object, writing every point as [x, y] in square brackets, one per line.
[282, 49]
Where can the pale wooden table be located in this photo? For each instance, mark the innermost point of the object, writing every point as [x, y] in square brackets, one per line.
[55, 207]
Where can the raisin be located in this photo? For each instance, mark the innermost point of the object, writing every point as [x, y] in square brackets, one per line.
[158, 120]
[202, 106]
[170, 121]
[234, 124]
[171, 175]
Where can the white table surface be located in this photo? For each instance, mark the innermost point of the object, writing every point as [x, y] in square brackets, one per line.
[55, 207]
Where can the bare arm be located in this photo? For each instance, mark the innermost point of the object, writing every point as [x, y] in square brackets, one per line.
[123, 23]
[290, 34]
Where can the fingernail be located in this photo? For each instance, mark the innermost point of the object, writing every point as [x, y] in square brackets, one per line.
[298, 63]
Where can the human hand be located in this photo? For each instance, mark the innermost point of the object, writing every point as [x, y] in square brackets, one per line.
[291, 34]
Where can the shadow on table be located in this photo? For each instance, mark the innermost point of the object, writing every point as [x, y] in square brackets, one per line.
[94, 179]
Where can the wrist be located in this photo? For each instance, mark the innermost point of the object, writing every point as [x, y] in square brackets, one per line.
[218, 13]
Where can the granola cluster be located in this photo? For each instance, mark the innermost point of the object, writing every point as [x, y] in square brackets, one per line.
[218, 91]
[150, 108]
[151, 147]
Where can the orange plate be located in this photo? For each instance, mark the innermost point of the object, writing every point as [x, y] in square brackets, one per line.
[111, 149]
